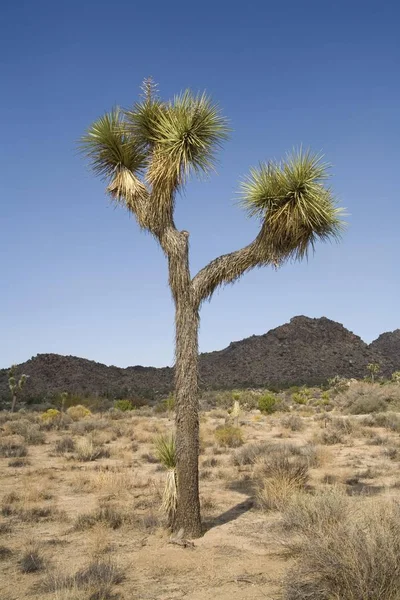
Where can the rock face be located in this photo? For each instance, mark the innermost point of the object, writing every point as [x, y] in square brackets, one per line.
[388, 345]
[304, 351]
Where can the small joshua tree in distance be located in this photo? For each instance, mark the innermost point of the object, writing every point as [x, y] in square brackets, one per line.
[16, 385]
[373, 369]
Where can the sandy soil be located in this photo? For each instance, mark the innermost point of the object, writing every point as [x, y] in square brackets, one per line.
[240, 556]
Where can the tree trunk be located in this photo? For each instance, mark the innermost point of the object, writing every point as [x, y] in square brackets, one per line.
[186, 391]
[14, 401]
[187, 422]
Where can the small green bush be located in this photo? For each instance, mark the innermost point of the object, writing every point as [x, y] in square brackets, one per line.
[123, 405]
[267, 403]
[229, 436]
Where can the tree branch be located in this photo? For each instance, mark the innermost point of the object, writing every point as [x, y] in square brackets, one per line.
[230, 267]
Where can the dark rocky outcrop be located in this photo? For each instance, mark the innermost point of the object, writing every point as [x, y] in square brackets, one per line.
[304, 351]
[388, 345]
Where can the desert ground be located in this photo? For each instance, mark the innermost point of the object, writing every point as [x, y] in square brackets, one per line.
[283, 493]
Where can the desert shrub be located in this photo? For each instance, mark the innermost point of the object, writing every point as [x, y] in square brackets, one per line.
[343, 424]
[365, 404]
[90, 425]
[229, 436]
[123, 405]
[351, 553]
[330, 436]
[396, 377]
[279, 478]
[18, 462]
[31, 560]
[64, 444]
[292, 422]
[108, 515]
[96, 579]
[165, 406]
[267, 403]
[87, 449]
[27, 429]
[321, 512]
[248, 454]
[363, 398]
[210, 462]
[51, 416]
[11, 447]
[5, 528]
[78, 412]
[5, 553]
[300, 398]
[388, 420]
[34, 436]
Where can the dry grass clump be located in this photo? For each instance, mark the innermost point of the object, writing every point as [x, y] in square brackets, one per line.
[88, 449]
[12, 447]
[388, 420]
[86, 425]
[363, 398]
[293, 422]
[27, 429]
[345, 551]
[109, 516]
[64, 445]
[229, 436]
[96, 580]
[320, 512]
[330, 436]
[279, 477]
[248, 454]
[32, 559]
[5, 528]
[5, 553]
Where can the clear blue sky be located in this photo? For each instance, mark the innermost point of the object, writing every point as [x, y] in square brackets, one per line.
[77, 277]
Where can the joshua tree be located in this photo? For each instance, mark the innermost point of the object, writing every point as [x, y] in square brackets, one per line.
[16, 386]
[374, 369]
[147, 154]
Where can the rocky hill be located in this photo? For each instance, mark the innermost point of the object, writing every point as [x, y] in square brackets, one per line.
[388, 345]
[304, 351]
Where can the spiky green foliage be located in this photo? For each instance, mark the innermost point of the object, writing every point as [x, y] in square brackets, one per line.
[294, 204]
[109, 148]
[187, 133]
[166, 451]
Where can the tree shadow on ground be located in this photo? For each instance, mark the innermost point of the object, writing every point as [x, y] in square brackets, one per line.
[230, 515]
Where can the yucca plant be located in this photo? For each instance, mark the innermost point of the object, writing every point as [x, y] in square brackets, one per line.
[166, 454]
[147, 154]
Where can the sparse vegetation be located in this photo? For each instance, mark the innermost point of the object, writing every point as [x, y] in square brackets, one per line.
[267, 403]
[123, 405]
[344, 551]
[229, 436]
[32, 560]
[78, 412]
[279, 478]
[88, 449]
[300, 492]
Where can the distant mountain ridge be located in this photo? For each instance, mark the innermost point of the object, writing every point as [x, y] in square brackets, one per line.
[303, 351]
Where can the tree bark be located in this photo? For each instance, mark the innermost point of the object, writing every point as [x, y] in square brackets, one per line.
[14, 402]
[186, 388]
[187, 422]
